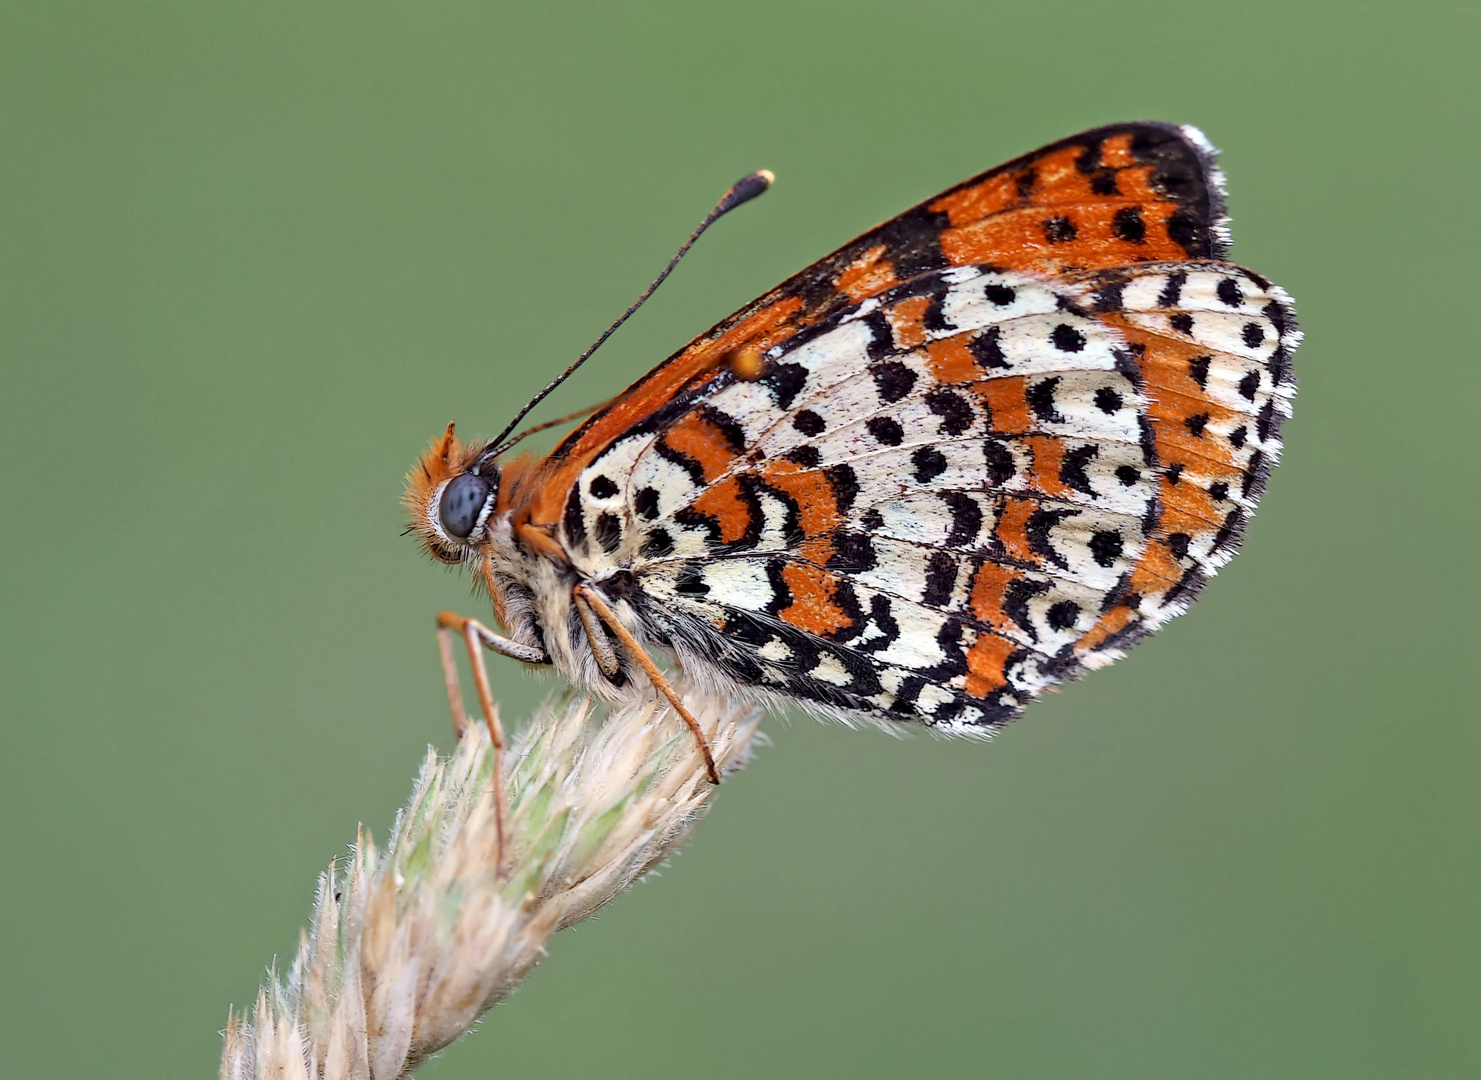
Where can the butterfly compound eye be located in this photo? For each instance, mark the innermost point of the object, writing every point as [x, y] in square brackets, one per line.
[461, 503]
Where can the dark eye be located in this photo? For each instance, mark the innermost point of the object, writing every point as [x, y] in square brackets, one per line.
[461, 503]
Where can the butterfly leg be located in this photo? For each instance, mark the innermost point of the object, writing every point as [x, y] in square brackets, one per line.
[475, 637]
[600, 645]
[589, 597]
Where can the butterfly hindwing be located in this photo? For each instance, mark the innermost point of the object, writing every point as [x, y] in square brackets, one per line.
[910, 514]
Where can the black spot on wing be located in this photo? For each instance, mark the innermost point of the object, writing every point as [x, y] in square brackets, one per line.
[845, 486]
[886, 430]
[1231, 530]
[954, 656]
[646, 503]
[853, 553]
[928, 463]
[1072, 471]
[881, 335]
[893, 380]
[956, 411]
[1120, 594]
[1267, 423]
[934, 318]
[1038, 527]
[1172, 289]
[906, 700]
[1255, 475]
[791, 529]
[1148, 439]
[1106, 547]
[1000, 464]
[1063, 615]
[1198, 370]
[1107, 297]
[608, 530]
[846, 599]
[1067, 339]
[966, 519]
[1185, 229]
[987, 350]
[998, 294]
[781, 593]
[1279, 365]
[1040, 397]
[1278, 316]
[658, 544]
[941, 573]
[747, 492]
[882, 621]
[809, 423]
[574, 520]
[785, 381]
[1182, 171]
[1128, 225]
[1016, 600]
[1059, 230]
[747, 628]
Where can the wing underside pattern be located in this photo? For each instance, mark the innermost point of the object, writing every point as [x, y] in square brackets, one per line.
[993, 443]
[945, 499]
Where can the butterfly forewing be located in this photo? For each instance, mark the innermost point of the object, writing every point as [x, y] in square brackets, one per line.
[1067, 207]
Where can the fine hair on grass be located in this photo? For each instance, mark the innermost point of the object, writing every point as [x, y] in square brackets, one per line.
[409, 945]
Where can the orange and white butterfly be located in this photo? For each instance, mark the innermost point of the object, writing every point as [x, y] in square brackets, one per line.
[980, 449]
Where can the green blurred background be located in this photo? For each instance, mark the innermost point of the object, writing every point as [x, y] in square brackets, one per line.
[254, 256]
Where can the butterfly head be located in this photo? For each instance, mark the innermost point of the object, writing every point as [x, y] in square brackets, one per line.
[451, 495]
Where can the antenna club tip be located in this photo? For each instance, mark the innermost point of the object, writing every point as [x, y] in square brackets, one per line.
[746, 189]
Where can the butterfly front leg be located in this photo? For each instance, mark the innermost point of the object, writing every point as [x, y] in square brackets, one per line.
[474, 634]
[476, 637]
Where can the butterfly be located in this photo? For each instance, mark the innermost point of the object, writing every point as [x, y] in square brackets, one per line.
[981, 449]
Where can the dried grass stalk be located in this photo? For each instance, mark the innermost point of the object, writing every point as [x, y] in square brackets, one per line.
[410, 946]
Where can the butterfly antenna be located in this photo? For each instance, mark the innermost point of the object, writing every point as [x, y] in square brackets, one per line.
[741, 192]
